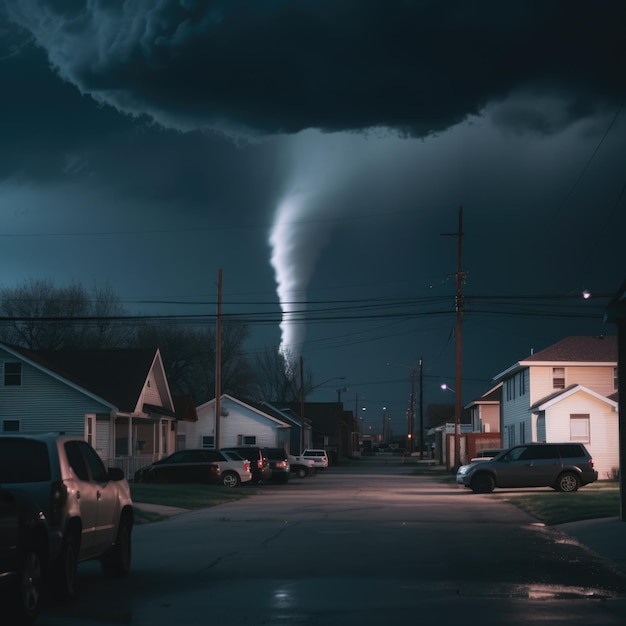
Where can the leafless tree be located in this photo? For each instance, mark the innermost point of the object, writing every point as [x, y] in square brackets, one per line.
[41, 316]
[278, 377]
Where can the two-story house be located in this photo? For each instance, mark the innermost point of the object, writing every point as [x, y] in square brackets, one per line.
[567, 392]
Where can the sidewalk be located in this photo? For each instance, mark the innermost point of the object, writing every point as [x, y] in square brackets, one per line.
[605, 536]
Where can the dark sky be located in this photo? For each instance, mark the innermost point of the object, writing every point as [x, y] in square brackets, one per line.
[316, 150]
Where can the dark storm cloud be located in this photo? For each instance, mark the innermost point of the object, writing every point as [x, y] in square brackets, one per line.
[286, 65]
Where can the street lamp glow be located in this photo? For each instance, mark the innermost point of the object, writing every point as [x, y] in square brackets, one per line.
[447, 388]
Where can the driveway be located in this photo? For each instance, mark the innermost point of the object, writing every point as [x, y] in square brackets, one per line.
[377, 546]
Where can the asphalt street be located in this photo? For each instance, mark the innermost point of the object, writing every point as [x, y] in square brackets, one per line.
[369, 547]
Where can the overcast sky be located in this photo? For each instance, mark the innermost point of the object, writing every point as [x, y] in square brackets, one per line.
[316, 151]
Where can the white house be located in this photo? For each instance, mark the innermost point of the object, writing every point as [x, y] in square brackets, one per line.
[567, 392]
[239, 424]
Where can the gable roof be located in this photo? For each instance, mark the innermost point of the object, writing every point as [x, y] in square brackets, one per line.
[117, 376]
[576, 350]
[258, 410]
[557, 396]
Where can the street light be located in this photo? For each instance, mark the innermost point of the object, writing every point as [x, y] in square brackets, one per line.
[447, 388]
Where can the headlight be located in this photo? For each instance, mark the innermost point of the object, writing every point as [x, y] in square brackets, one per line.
[463, 469]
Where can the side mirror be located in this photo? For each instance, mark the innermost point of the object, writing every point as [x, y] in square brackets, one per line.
[115, 473]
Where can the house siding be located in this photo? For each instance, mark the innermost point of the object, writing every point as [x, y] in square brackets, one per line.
[515, 403]
[603, 442]
[239, 421]
[43, 403]
[597, 378]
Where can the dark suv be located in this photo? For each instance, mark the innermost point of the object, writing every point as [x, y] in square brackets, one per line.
[259, 465]
[88, 508]
[562, 466]
[279, 464]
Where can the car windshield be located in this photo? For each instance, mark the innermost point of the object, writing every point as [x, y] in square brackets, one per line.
[275, 453]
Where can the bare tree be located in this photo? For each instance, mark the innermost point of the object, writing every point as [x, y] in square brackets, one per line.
[278, 377]
[189, 358]
[39, 315]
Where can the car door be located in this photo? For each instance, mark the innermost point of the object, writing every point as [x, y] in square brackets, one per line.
[86, 494]
[515, 468]
[107, 514]
[546, 464]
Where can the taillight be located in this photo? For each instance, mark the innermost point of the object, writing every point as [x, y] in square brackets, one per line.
[259, 464]
[58, 498]
[246, 466]
[591, 463]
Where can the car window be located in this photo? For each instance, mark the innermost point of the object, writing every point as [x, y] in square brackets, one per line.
[93, 461]
[571, 451]
[521, 453]
[546, 452]
[76, 460]
[23, 461]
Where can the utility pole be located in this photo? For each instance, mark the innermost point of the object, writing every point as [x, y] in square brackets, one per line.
[421, 409]
[218, 361]
[411, 428]
[301, 405]
[460, 277]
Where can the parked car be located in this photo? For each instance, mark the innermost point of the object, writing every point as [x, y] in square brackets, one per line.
[88, 508]
[24, 556]
[486, 454]
[235, 469]
[318, 456]
[562, 466]
[278, 460]
[259, 465]
[300, 466]
[184, 466]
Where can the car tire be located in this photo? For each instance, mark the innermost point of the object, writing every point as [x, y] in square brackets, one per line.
[568, 482]
[116, 562]
[27, 600]
[231, 480]
[65, 571]
[301, 472]
[482, 483]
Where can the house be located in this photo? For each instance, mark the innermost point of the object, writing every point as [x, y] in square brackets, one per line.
[240, 424]
[567, 392]
[118, 400]
[485, 411]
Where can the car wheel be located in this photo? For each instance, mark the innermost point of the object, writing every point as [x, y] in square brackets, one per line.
[568, 482]
[231, 480]
[64, 574]
[482, 483]
[301, 472]
[116, 562]
[27, 600]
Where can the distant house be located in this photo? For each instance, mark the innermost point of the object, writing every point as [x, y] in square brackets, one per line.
[567, 392]
[240, 424]
[118, 400]
[485, 411]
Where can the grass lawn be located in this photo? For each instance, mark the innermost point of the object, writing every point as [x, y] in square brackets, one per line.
[600, 499]
[184, 496]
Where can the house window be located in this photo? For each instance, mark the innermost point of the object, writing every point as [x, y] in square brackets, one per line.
[12, 374]
[208, 441]
[522, 383]
[615, 378]
[522, 432]
[164, 446]
[579, 427]
[558, 377]
[10, 426]
[246, 440]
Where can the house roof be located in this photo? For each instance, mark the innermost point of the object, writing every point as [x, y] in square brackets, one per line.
[577, 350]
[117, 376]
[561, 394]
[493, 396]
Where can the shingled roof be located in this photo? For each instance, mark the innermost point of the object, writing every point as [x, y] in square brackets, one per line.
[117, 376]
[597, 349]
